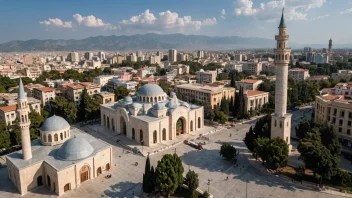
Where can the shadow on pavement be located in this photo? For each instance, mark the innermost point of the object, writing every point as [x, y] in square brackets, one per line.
[124, 189]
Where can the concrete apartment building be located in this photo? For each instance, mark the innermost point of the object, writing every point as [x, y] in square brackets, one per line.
[248, 84]
[172, 55]
[206, 76]
[254, 100]
[342, 75]
[252, 67]
[105, 97]
[74, 91]
[298, 74]
[336, 111]
[44, 94]
[234, 66]
[29, 88]
[210, 96]
[102, 80]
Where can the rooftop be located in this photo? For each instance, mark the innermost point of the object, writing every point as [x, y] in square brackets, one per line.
[48, 154]
[45, 89]
[255, 92]
[250, 81]
[8, 108]
[203, 88]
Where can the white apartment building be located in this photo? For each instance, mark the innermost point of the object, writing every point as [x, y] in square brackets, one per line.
[102, 80]
[172, 55]
[342, 75]
[252, 67]
[233, 66]
[298, 74]
[248, 84]
[132, 57]
[254, 100]
[200, 54]
[206, 76]
[44, 94]
[74, 57]
[154, 59]
[101, 55]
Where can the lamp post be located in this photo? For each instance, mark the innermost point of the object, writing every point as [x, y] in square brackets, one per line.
[209, 180]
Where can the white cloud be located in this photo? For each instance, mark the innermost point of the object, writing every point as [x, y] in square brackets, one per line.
[166, 22]
[145, 18]
[321, 17]
[56, 23]
[91, 21]
[223, 14]
[346, 11]
[294, 9]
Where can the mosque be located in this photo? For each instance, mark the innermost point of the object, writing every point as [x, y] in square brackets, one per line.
[152, 116]
[62, 159]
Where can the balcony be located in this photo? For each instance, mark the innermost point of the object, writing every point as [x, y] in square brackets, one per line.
[282, 37]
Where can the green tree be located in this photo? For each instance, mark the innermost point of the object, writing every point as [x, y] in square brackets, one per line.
[5, 140]
[36, 120]
[165, 85]
[224, 106]
[64, 108]
[206, 194]
[222, 117]
[277, 153]
[302, 129]
[228, 151]
[260, 148]
[148, 186]
[192, 180]
[70, 111]
[169, 174]
[342, 177]
[330, 140]
[249, 139]
[121, 92]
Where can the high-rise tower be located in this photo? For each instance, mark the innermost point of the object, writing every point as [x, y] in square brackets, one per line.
[330, 50]
[281, 120]
[24, 122]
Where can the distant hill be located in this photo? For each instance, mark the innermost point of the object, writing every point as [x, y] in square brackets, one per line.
[143, 42]
[148, 42]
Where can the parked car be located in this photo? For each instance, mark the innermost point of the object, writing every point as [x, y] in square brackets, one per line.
[193, 144]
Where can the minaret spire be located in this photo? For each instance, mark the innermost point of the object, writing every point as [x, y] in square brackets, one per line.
[24, 122]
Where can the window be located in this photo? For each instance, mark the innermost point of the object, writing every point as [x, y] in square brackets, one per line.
[340, 130]
[349, 123]
[335, 111]
[349, 114]
[342, 114]
[340, 122]
[348, 131]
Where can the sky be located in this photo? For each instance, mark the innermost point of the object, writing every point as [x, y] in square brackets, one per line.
[308, 21]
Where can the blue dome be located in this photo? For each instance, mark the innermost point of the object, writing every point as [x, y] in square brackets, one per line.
[158, 106]
[136, 105]
[171, 105]
[150, 89]
[185, 104]
[75, 149]
[54, 123]
[128, 99]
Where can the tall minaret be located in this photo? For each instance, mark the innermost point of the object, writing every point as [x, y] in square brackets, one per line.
[281, 121]
[24, 122]
[330, 50]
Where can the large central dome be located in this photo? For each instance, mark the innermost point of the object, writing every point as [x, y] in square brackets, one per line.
[150, 89]
[75, 149]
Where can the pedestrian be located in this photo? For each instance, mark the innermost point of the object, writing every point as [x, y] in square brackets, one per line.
[227, 178]
[123, 150]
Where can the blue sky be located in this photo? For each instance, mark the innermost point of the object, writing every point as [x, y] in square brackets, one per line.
[308, 21]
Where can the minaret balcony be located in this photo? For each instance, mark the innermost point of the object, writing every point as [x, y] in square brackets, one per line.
[281, 37]
[285, 50]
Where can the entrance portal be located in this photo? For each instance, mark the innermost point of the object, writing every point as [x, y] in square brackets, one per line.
[67, 187]
[84, 173]
[48, 180]
[122, 125]
[180, 126]
[39, 181]
[99, 171]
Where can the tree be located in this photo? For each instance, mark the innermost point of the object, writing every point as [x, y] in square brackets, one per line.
[262, 127]
[169, 174]
[260, 148]
[303, 128]
[228, 152]
[342, 177]
[224, 106]
[165, 85]
[70, 111]
[36, 120]
[192, 180]
[330, 140]
[148, 184]
[206, 194]
[92, 107]
[222, 117]
[211, 115]
[249, 139]
[121, 92]
[64, 108]
[5, 140]
[277, 153]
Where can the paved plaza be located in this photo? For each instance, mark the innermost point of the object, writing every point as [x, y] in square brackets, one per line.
[126, 180]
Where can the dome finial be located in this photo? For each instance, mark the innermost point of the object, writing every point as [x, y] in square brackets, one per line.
[21, 93]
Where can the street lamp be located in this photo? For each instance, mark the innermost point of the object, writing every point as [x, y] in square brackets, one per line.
[209, 180]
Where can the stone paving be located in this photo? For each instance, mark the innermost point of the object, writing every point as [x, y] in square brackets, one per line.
[126, 178]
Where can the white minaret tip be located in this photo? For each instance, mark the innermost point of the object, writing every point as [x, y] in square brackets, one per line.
[21, 93]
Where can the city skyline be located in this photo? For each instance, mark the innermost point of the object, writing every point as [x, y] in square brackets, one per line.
[225, 18]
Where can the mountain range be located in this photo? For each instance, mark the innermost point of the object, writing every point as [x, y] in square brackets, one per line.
[148, 42]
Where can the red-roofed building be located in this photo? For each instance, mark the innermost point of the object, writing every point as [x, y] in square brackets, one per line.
[298, 74]
[254, 100]
[74, 91]
[44, 94]
[248, 84]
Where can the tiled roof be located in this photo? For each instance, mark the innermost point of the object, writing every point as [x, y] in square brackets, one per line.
[249, 81]
[45, 89]
[8, 108]
[254, 92]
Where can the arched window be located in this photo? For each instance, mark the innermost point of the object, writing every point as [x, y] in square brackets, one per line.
[159, 98]
[147, 99]
[61, 136]
[151, 99]
[191, 125]
[56, 137]
[133, 134]
[65, 135]
[286, 57]
[143, 99]
[44, 138]
[275, 123]
[155, 99]
[50, 138]
[164, 134]
[283, 58]
[199, 123]
[155, 137]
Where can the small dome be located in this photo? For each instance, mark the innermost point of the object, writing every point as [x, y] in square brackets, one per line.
[171, 105]
[75, 149]
[128, 99]
[54, 123]
[158, 106]
[150, 89]
[173, 94]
